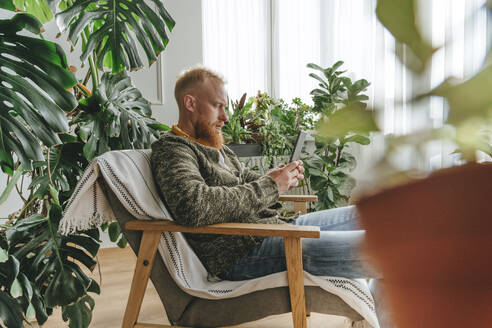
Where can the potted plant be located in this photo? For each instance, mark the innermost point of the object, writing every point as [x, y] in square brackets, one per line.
[429, 234]
[328, 168]
[266, 125]
[51, 130]
[236, 131]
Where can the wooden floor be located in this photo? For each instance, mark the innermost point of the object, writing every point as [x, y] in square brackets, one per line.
[117, 266]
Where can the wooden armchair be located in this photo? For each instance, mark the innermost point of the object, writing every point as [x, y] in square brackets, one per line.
[151, 233]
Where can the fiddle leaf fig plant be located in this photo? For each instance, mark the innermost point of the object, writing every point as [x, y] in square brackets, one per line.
[337, 100]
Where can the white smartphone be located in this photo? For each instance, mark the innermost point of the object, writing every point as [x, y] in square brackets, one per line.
[296, 154]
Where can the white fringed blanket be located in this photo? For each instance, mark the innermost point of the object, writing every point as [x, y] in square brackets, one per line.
[128, 174]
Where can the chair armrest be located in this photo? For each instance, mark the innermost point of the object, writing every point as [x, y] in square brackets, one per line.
[241, 229]
[298, 198]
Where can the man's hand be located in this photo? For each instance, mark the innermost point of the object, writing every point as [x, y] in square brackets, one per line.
[287, 176]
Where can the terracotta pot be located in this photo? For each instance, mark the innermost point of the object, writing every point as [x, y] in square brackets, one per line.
[432, 240]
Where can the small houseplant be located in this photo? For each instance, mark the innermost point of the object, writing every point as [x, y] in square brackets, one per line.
[236, 133]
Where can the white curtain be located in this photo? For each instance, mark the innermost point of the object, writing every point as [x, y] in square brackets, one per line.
[292, 33]
[296, 42]
[236, 43]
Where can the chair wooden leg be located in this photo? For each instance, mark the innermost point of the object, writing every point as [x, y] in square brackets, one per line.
[145, 260]
[300, 207]
[293, 255]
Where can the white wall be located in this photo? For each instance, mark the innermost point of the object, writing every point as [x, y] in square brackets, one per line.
[183, 51]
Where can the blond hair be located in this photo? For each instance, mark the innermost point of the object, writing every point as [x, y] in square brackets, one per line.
[191, 78]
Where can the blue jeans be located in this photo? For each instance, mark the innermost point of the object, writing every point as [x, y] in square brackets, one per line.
[336, 253]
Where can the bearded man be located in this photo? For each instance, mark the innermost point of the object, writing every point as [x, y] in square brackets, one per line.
[202, 183]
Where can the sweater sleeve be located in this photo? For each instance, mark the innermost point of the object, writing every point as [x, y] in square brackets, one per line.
[193, 202]
[250, 175]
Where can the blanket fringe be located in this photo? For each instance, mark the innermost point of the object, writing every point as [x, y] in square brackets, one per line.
[70, 225]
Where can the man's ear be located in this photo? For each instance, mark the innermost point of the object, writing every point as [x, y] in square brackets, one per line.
[189, 102]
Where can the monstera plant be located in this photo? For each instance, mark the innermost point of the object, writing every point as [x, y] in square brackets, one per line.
[51, 126]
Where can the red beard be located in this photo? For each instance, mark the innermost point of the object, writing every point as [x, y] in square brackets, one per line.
[208, 133]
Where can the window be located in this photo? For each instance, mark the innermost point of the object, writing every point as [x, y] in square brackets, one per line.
[236, 39]
[266, 44]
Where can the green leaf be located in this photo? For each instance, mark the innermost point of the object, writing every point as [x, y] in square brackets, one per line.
[39, 306]
[90, 148]
[333, 179]
[94, 287]
[122, 242]
[16, 289]
[88, 243]
[54, 195]
[316, 172]
[49, 258]
[85, 130]
[38, 8]
[7, 4]
[467, 99]
[29, 116]
[6, 192]
[329, 193]
[316, 67]
[26, 285]
[79, 255]
[363, 140]
[79, 314]
[64, 288]
[346, 185]
[399, 17]
[349, 119]
[114, 231]
[20, 22]
[10, 311]
[123, 21]
[30, 312]
[10, 270]
[4, 255]
[22, 227]
[117, 111]
[159, 126]
[323, 82]
[6, 160]
[67, 138]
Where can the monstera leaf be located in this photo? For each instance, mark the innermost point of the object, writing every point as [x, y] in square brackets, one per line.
[40, 9]
[116, 116]
[118, 22]
[17, 299]
[33, 96]
[48, 260]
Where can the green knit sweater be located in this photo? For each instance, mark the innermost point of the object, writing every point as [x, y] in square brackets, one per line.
[198, 190]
